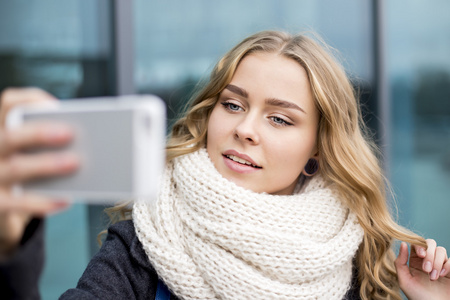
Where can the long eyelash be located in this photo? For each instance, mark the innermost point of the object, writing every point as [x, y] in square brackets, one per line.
[285, 123]
[228, 104]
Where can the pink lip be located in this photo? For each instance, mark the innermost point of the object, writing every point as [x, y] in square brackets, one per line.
[238, 167]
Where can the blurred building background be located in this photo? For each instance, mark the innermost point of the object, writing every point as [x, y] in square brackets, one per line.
[397, 53]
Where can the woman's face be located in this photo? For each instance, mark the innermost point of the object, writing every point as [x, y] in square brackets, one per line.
[263, 129]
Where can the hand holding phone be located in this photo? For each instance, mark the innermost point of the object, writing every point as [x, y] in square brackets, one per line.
[120, 142]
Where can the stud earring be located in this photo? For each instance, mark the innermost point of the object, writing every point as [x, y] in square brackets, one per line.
[312, 166]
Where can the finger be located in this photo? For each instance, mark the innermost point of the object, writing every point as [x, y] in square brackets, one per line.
[446, 269]
[429, 258]
[32, 204]
[34, 134]
[401, 264]
[12, 97]
[420, 251]
[23, 167]
[439, 259]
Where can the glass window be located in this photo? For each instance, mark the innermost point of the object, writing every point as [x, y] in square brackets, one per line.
[419, 75]
[175, 49]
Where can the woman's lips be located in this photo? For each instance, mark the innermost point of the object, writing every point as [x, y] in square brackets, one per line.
[240, 163]
[240, 156]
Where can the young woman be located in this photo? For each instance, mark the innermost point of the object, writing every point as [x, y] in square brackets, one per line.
[272, 190]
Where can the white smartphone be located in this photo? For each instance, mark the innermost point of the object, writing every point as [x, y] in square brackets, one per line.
[120, 142]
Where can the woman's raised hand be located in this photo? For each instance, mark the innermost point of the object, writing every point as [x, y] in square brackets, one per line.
[428, 273]
[17, 166]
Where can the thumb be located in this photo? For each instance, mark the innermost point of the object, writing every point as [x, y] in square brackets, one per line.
[401, 263]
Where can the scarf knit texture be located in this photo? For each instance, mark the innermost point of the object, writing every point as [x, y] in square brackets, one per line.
[208, 238]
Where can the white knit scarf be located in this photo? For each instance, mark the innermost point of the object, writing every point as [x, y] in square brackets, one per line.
[208, 238]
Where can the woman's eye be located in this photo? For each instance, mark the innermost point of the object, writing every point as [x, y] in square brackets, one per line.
[231, 106]
[280, 121]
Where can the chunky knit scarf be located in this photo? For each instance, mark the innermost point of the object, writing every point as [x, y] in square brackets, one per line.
[208, 238]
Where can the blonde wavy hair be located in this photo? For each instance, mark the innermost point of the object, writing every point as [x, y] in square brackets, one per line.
[347, 156]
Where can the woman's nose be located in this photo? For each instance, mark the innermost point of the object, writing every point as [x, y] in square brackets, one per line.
[248, 130]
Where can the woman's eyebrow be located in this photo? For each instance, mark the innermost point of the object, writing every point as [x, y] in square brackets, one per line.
[271, 101]
[284, 104]
[237, 90]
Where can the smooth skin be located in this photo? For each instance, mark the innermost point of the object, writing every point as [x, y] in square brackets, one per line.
[17, 210]
[267, 117]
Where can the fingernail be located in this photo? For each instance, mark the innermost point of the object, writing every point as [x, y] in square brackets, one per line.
[55, 133]
[66, 160]
[433, 275]
[427, 267]
[422, 252]
[61, 203]
[59, 206]
[442, 272]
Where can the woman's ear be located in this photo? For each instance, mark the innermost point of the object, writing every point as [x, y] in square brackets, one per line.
[312, 166]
